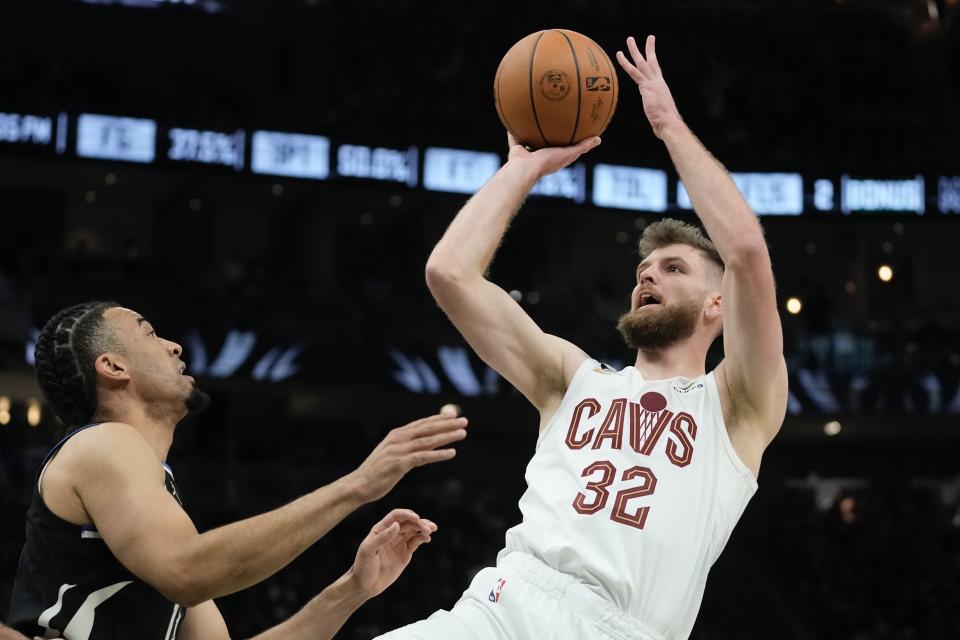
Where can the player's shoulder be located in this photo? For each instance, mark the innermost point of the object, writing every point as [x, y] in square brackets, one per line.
[108, 443]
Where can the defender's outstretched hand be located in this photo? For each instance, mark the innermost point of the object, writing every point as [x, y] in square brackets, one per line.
[421, 442]
[657, 101]
[387, 549]
[549, 159]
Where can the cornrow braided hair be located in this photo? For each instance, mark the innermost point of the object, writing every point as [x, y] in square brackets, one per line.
[66, 351]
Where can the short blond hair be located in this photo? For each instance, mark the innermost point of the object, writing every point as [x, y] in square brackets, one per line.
[669, 231]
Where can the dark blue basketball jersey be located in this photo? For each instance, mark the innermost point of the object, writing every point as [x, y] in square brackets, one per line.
[70, 585]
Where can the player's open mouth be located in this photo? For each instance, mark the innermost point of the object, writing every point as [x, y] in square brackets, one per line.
[647, 299]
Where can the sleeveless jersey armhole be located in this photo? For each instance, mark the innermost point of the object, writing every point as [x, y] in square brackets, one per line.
[53, 454]
[742, 469]
[582, 370]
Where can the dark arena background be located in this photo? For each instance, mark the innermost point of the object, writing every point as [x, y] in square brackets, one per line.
[265, 180]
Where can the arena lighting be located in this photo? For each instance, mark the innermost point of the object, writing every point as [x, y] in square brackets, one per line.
[832, 428]
[206, 147]
[794, 306]
[569, 183]
[778, 194]
[948, 194]
[885, 273]
[4, 410]
[290, 154]
[393, 165]
[33, 412]
[24, 128]
[629, 188]
[457, 170]
[116, 138]
[882, 195]
[314, 157]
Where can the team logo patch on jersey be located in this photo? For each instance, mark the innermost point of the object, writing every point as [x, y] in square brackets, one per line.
[495, 592]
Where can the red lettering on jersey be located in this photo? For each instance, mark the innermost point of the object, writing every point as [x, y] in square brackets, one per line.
[599, 487]
[646, 488]
[593, 407]
[646, 427]
[612, 428]
[683, 421]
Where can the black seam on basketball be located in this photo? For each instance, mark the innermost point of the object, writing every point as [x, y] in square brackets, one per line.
[533, 105]
[616, 91]
[576, 64]
[500, 111]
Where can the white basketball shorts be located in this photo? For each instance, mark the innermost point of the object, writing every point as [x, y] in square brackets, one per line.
[524, 599]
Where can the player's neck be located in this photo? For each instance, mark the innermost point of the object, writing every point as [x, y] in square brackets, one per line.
[685, 358]
[156, 429]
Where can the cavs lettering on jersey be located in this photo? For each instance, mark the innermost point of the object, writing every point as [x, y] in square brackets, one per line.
[69, 585]
[634, 489]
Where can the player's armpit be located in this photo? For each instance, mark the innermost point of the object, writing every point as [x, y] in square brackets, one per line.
[538, 364]
[203, 622]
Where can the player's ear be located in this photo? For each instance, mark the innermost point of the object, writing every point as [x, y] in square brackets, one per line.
[713, 306]
[111, 368]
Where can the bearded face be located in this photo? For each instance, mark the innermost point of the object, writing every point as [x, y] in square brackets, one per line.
[651, 327]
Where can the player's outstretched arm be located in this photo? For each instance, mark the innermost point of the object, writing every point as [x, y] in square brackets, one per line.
[382, 557]
[753, 370]
[118, 478]
[502, 334]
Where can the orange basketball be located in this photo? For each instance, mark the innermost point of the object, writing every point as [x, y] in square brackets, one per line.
[555, 88]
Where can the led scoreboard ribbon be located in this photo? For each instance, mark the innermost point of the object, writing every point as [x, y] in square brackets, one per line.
[464, 171]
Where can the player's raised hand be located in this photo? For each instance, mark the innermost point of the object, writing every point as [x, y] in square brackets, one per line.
[549, 159]
[387, 549]
[418, 443]
[658, 103]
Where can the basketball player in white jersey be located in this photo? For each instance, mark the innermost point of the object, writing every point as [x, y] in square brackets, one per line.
[639, 475]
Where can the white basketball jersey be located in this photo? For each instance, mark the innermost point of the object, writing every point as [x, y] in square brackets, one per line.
[634, 489]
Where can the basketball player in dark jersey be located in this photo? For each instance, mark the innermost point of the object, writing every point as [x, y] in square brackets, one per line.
[110, 553]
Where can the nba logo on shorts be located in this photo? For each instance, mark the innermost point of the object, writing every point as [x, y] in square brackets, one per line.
[495, 592]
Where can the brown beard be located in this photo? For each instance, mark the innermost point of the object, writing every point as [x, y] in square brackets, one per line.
[654, 329]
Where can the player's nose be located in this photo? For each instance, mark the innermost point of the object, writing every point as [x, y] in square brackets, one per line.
[174, 348]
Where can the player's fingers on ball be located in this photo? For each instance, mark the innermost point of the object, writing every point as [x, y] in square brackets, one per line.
[585, 145]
